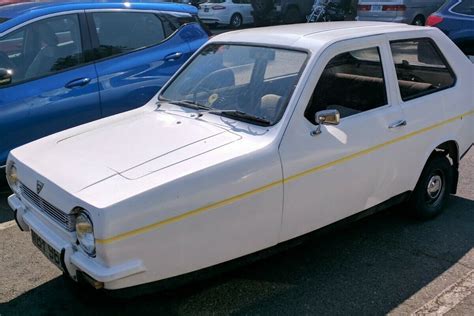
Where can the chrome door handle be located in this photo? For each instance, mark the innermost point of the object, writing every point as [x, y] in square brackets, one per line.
[398, 124]
[77, 83]
[173, 56]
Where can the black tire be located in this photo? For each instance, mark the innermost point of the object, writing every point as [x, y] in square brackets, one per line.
[292, 16]
[419, 20]
[236, 21]
[433, 188]
[262, 7]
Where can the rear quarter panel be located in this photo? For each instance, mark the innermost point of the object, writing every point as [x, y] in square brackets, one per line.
[447, 115]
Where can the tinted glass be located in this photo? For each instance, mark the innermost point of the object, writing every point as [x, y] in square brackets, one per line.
[255, 80]
[173, 21]
[351, 83]
[421, 69]
[123, 32]
[464, 7]
[42, 48]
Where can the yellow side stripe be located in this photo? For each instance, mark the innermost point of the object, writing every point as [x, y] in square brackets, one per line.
[190, 213]
[236, 198]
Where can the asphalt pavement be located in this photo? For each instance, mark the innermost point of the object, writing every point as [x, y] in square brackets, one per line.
[386, 263]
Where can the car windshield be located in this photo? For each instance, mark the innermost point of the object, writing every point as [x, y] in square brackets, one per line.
[3, 20]
[251, 80]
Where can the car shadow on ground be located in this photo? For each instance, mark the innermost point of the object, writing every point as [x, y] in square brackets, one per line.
[5, 212]
[368, 267]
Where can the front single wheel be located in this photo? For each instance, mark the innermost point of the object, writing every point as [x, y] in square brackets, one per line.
[236, 21]
[433, 187]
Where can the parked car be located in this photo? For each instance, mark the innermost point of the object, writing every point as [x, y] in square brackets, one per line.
[55, 74]
[234, 13]
[265, 135]
[402, 11]
[456, 19]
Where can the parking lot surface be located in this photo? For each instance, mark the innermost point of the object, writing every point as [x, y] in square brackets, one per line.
[386, 263]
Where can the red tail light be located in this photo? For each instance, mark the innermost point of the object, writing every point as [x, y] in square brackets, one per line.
[394, 8]
[218, 7]
[363, 7]
[433, 20]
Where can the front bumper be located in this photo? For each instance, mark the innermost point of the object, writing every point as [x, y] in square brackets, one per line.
[73, 260]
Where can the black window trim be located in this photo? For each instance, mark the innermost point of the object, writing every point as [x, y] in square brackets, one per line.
[443, 59]
[84, 37]
[95, 39]
[382, 107]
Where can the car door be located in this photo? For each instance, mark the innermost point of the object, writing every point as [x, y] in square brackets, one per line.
[52, 87]
[136, 54]
[349, 167]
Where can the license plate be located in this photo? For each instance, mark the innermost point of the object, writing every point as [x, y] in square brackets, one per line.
[376, 8]
[50, 253]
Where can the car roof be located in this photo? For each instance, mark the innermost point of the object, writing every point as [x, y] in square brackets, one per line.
[18, 13]
[310, 35]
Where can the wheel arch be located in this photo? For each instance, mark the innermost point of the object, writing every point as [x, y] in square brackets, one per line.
[450, 149]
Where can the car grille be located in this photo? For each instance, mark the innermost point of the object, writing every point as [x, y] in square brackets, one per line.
[65, 220]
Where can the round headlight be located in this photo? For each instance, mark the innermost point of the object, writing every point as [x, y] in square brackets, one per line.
[85, 233]
[12, 176]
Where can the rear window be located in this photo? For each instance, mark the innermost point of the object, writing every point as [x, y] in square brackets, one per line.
[464, 7]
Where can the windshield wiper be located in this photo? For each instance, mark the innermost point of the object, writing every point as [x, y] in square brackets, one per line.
[240, 114]
[190, 104]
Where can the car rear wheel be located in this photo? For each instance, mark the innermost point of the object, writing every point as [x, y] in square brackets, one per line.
[236, 21]
[432, 190]
[419, 20]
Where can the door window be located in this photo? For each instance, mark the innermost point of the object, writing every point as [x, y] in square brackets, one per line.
[123, 32]
[42, 48]
[421, 69]
[351, 83]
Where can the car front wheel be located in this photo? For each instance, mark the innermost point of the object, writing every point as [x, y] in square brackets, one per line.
[432, 190]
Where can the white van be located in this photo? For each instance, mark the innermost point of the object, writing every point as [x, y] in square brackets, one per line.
[403, 11]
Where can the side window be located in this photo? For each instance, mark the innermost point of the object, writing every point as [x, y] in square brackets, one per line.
[12, 53]
[123, 32]
[351, 83]
[421, 69]
[42, 48]
[464, 7]
[173, 21]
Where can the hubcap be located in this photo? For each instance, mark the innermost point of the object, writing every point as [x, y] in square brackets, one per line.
[236, 21]
[435, 184]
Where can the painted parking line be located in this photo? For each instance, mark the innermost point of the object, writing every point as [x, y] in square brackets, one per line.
[450, 297]
[8, 224]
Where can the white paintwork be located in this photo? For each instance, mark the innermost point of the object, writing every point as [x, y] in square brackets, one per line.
[190, 178]
[223, 16]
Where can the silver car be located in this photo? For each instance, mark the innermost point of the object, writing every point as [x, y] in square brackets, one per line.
[403, 11]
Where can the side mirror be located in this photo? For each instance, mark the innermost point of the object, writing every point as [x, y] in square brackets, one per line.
[326, 117]
[5, 76]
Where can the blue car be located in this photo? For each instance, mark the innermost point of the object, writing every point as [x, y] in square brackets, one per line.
[65, 64]
[456, 19]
